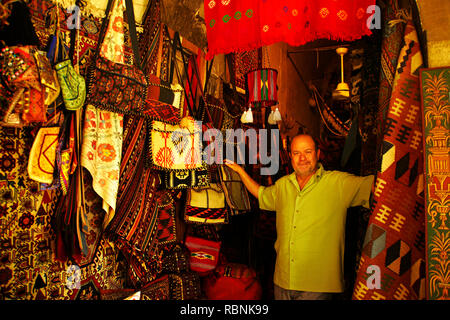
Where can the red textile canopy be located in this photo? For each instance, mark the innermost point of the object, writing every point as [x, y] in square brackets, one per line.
[243, 25]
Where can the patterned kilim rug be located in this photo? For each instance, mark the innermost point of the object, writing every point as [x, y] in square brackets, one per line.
[28, 269]
[390, 48]
[435, 85]
[392, 259]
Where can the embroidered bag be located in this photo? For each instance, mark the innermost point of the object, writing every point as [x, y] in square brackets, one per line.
[184, 179]
[19, 74]
[204, 254]
[206, 205]
[41, 162]
[175, 148]
[48, 77]
[236, 193]
[114, 86]
[73, 86]
[165, 210]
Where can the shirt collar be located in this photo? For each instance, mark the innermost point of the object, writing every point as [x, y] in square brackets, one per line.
[315, 178]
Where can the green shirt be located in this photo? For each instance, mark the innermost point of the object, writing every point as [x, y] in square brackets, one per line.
[311, 227]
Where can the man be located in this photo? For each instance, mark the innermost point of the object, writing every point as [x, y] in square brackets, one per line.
[311, 206]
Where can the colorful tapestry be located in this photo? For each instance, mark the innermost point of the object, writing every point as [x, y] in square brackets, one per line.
[393, 250]
[113, 44]
[390, 49]
[134, 221]
[244, 25]
[435, 87]
[41, 11]
[28, 269]
[101, 152]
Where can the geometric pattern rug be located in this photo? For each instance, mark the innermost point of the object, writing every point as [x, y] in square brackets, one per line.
[28, 268]
[393, 256]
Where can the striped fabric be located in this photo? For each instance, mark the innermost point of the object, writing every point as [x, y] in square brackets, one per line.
[262, 87]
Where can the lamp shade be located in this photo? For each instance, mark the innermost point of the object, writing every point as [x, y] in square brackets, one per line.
[262, 87]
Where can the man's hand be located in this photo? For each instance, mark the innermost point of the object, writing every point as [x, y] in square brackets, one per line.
[251, 185]
[234, 166]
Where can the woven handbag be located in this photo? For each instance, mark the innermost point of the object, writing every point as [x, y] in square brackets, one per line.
[236, 193]
[206, 205]
[184, 179]
[204, 254]
[113, 86]
[175, 148]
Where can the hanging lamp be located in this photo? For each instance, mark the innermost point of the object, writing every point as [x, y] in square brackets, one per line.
[342, 91]
[262, 86]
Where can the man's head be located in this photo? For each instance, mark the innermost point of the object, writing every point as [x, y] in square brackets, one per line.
[304, 155]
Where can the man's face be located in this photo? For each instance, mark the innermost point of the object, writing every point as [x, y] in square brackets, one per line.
[304, 156]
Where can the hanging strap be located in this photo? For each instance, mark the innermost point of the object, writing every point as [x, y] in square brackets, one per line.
[208, 74]
[131, 29]
[232, 79]
[175, 65]
[201, 89]
[176, 45]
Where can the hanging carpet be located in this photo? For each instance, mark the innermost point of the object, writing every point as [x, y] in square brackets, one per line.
[394, 240]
